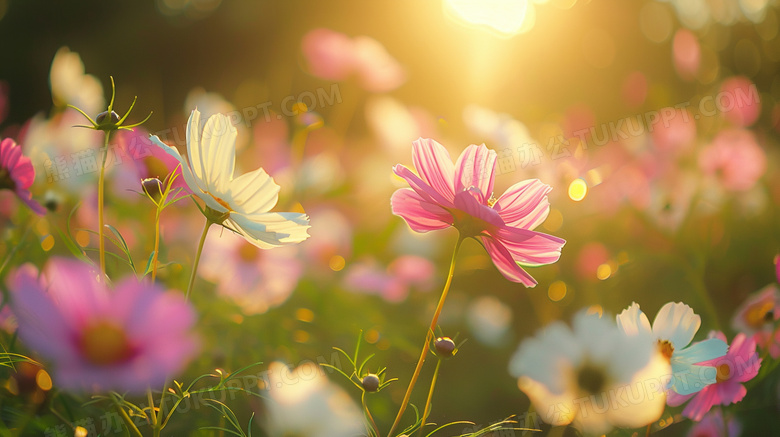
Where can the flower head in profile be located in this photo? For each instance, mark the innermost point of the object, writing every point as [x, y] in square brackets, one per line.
[241, 204]
[673, 329]
[444, 194]
[592, 375]
[126, 339]
[740, 364]
[17, 173]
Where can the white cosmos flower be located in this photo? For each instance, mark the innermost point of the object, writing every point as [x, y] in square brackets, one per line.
[591, 375]
[243, 201]
[673, 329]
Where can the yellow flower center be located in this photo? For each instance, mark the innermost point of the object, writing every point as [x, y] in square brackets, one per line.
[757, 314]
[221, 202]
[724, 373]
[248, 252]
[666, 348]
[591, 379]
[103, 344]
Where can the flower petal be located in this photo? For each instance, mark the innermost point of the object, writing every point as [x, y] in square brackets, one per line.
[420, 187]
[701, 351]
[193, 145]
[524, 204]
[476, 167]
[193, 183]
[677, 323]
[218, 151]
[41, 324]
[472, 203]
[253, 192]
[530, 248]
[691, 379]
[701, 404]
[434, 165]
[633, 321]
[506, 264]
[420, 215]
[270, 229]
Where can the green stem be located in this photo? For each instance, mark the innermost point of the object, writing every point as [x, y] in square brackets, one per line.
[15, 249]
[428, 338]
[152, 416]
[156, 242]
[128, 421]
[368, 414]
[101, 183]
[197, 258]
[159, 424]
[430, 395]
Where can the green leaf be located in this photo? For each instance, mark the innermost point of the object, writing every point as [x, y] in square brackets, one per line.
[123, 245]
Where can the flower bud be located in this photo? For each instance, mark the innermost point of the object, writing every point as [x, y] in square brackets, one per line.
[104, 119]
[371, 383]
[444, 346]
[153, 188]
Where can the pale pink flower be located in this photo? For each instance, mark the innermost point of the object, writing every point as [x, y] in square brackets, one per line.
[740, 364]
[334, 56]
[126, 339]
[461, 195]
[714, 425]
[255, 279]
[739, 101]
[686, 53]
[756, 317]
[392, 284]
[17, 174]
[735, 159]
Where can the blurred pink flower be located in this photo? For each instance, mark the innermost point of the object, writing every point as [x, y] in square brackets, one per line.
[740, 364]
[17, 174]
[686, 53]
[713, 425]
[334, 56]
[461, 195]
[254, 279]
[735, 159]
[756, 318]
[675, 134]
[392, 284]
[126, 339]
[739, 101]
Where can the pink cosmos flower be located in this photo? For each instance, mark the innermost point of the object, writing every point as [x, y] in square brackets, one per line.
[740, 364]
[444, 194]
[334, 56]
[125, 339]
[713, 425]
[735, 159]
[17, 173]
[756, 318]
[394, 283]
[253, 278]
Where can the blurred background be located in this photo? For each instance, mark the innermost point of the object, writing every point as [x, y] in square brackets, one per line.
[655, 122]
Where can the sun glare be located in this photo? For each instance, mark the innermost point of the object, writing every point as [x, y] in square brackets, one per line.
[505, 17]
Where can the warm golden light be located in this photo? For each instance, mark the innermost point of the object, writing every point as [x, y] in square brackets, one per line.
[578, 188]
[557, 291]
[506, 17]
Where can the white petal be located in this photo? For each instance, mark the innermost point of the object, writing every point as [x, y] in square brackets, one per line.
[548, 358]
[555, 409]
[253, 192]
[218, 153]
[677, 323]
[690, 379]
[633, 321]
[270, 229]
[644, 399]
[701, 351]
[195, 185]
[193, 144]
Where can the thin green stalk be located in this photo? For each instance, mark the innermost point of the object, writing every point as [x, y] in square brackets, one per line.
[101, 183]
[428, 338]
[368, 414]
[156, 242]
[128, 421]
[197, 258]
[13, 250]
[150, 399]
[158, 421]
[430, 395]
